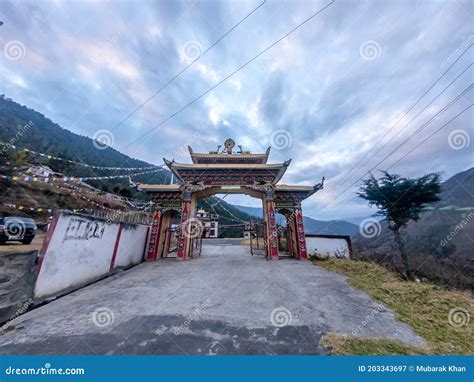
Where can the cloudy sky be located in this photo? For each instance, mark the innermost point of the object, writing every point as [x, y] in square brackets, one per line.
[332, 95]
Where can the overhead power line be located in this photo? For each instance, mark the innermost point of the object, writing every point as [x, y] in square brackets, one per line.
[404, 156]
[159, 90]
[231, 74]
[349, 172]
[430, 136]
[403, 128]
[418, 114]
[464, 92]
[448, 106]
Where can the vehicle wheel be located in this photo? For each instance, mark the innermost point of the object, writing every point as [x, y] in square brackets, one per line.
[27, 241]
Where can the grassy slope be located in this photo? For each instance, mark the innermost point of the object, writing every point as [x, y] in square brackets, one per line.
[46, 195]
[425, 307]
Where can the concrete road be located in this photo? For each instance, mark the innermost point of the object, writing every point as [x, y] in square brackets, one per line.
[224, 302]
[222, 242]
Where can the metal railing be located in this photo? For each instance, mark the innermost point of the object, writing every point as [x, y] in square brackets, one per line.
[117, 216]
[171, 242]
[258, 238]
[196, 244]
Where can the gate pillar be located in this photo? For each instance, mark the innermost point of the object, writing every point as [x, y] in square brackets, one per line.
[184, 250]
[163, 243]
[300, 237]
[272, 234]
[153, 242]
[289, 236]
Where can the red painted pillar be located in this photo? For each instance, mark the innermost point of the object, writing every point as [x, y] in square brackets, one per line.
[152, 249]
[300, 237]
[117, 242]
[289, 240]
[272, 234]
[46, 241]
[183, 238]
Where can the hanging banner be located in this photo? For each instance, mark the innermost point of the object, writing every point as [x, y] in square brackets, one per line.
[47, 156]
[42, 179]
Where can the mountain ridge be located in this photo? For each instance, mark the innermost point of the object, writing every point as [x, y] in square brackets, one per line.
[312, 226]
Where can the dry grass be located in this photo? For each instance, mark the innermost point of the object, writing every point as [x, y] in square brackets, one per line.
[425, 307]
[342, 344]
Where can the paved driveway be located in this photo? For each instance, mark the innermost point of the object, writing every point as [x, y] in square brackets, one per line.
[224, 302]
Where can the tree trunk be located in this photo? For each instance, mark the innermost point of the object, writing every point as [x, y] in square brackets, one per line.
[403, 254]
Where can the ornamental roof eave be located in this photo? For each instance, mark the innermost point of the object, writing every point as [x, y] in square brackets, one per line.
[282, 171]
[176, 167]
[304, 192]
[216, 157]
[169, 164]
[212, 166]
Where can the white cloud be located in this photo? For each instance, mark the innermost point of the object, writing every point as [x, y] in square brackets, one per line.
[214, 116]
[19, 81]
[336, 105]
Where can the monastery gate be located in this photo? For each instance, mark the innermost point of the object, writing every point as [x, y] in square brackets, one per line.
[226, 171]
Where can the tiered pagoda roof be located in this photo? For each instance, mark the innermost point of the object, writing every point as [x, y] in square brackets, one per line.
[228, 167]
[228, 174]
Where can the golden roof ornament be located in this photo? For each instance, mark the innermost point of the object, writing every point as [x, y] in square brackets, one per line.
[229, 144]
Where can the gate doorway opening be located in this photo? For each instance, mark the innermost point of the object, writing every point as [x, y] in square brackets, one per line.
[229, 171]
[231, 220]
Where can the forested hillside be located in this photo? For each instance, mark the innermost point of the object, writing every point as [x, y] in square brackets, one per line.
[26, 128]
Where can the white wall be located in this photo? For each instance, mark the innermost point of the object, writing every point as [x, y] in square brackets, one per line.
[331, 247]
[132, 245]
[80, 251]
